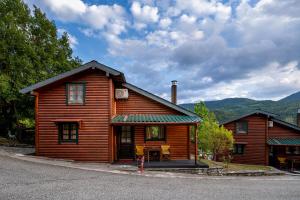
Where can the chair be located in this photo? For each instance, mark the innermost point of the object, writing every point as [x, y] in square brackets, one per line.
[282, 162]
[165, 152]
[139, 152]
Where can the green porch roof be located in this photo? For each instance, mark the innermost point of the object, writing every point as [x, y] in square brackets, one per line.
[284, 141]
[155, 119]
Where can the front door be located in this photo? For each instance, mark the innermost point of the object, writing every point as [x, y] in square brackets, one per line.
[125, 142]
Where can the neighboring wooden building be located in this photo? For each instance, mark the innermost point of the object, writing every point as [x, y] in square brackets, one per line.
[261, 138]
[92, 114]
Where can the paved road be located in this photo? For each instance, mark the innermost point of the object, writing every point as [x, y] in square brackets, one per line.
[26, 180]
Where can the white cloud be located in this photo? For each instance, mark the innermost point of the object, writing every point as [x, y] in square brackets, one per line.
[143, 14]
[203, 8]
[108, 18]
[66, 10]
[187, 19]
[165, 22]
[259, 83]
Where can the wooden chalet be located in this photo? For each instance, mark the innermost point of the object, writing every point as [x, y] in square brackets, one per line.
[92, 114]
[261, 138]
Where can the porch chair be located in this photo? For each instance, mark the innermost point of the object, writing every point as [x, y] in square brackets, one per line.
[139, 152]
[165, 152]
[282, 162]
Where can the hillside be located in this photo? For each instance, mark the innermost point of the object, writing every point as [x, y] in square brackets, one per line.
[227, 109]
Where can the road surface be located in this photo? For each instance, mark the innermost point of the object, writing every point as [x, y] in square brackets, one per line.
[26, 180]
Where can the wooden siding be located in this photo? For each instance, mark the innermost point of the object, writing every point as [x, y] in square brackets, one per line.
[255, 148]
[280, 131]
[93, 139]
[139, 104]
[177, 138]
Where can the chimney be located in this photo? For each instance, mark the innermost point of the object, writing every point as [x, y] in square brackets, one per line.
[174, 92]
[298, 117]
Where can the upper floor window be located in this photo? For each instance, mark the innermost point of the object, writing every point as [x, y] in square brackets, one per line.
[75, 93]
[155, 133]
[241, 127]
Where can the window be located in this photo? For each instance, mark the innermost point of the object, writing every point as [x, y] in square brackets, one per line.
[289, 150]
[68, 132]
[155, 133]
[126, 135]
[242, 127]
[75, 93]
[238, 149]
[297, 150]
[292, 150]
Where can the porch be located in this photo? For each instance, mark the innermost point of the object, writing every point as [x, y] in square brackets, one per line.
[168, 164]
[284, 153]
[151, 132]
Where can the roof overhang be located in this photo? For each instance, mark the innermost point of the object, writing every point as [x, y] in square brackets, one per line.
[284, 141]
[261, 112]
[150, 119]
[90, 65]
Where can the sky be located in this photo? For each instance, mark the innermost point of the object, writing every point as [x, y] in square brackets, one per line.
[215, 49]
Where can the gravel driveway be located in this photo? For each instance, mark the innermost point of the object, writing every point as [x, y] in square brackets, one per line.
[26, 180]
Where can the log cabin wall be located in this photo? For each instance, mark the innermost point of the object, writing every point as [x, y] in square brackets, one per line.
[139, 104]
[93, 135]
[176, 137]
[280, 131]
[255, 140]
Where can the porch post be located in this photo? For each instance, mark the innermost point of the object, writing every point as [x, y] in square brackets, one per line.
[196, 144]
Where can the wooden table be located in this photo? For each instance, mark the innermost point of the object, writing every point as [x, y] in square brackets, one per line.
[151, 149]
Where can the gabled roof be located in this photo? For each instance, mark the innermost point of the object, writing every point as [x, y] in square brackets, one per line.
[284, 123]
[158, 99]
[91, 64]
[273, 116]
[156, 119]
[268, 114]
[113, 72]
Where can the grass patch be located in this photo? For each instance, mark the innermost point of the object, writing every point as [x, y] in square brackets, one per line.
[236, 167]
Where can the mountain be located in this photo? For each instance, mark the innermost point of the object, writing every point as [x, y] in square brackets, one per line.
[230, 108]
[292, 97]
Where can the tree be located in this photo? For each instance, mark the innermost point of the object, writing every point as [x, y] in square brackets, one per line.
[30, 51]
[211, 137]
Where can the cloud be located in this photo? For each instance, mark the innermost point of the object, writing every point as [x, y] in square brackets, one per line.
[65, 10]
[165, 23]
[269, 76]
[107, 18]
[215, 49]
[143, 14]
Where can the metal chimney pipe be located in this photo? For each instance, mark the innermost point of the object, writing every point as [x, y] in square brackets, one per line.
[174, 92]
[298, 117]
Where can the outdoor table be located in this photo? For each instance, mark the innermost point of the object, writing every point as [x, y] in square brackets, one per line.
[151, 149]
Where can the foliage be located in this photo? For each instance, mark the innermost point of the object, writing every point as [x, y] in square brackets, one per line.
[30, 51]
[212, 138]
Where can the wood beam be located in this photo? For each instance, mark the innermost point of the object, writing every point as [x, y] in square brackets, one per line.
[36, 116]
[196, 144]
